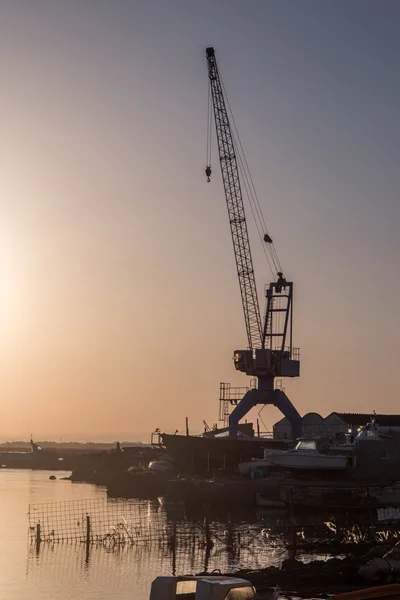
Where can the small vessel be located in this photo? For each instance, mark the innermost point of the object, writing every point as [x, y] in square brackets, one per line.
[23, 459]
[211, 451]
[369, 432]
[258, 463]
[306, 455]
[204, 587]
[160, 465]
[265, 502]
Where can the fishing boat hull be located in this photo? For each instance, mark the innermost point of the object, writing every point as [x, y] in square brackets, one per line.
[203, 454]
[309, 460]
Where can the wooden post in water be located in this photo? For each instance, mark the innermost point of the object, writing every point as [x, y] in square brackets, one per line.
[87, 537]
[294, 532]
[208, 542]
[38, 537]
[88, 529]
[173, 542]
[229, 538]
[187, 426]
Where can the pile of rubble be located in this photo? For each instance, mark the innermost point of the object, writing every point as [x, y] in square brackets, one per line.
[381, 565]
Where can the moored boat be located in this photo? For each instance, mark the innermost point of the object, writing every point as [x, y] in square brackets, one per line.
[205, 453]
[265, 501]
[306, 455]
[34, 458]
[258, 463]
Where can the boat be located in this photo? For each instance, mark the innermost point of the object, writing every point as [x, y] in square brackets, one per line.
[204, 587]
[368, 432]
[371, 432]
[34, 458]
[306, 455]
[258, 463]
[265, 502]
[160, 465]
[383, 592]
[207, 452]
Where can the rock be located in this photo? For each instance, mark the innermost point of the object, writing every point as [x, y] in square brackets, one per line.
[393, 554]
[375, 569]
[378, 551]
[290, 563]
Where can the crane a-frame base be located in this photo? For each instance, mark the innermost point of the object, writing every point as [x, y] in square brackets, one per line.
[264, 396]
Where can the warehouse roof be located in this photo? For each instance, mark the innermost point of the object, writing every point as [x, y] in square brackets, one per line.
[362, 418]
[358, 419]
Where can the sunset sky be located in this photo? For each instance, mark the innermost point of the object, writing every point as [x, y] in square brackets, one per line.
[119, 303]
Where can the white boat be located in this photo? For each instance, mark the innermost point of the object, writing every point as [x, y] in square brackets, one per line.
[307, 456]
[160, 465]
[203, 587]
[369, 432]
[258, 463]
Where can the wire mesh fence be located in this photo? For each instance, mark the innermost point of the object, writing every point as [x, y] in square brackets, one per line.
[142, 527]
[128, 523]
[131, 523]
[93, 521]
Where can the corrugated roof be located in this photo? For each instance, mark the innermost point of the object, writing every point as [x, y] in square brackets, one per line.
[363, 418]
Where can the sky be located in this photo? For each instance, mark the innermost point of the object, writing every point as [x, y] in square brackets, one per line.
[119, 303]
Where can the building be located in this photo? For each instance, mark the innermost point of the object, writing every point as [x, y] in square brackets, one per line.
[336, 424]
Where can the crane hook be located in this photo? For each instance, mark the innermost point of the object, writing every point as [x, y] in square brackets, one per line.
[208, 173]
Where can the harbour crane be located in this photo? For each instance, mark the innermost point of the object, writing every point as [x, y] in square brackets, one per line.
[270, 351]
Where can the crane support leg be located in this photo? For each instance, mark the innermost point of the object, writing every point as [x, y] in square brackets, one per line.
[275, 397]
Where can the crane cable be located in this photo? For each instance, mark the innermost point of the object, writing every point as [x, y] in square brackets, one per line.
[248, 184]
[252, 195]
[241, 168]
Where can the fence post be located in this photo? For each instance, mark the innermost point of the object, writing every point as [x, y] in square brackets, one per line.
[208, 542]
[88, 529]
[38, 537]
[87, 537]
[229, 538]
[174, 545]
[292, 521]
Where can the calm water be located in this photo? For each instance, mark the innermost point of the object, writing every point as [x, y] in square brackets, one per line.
[64, 572]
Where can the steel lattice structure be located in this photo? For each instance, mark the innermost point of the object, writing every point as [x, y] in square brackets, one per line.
[234, 201]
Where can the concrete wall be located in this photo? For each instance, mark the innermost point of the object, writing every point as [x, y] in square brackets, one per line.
[378, 461]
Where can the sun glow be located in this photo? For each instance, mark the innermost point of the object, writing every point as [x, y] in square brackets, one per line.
[11, 280]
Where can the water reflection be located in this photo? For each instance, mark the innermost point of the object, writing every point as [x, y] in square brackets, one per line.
[172, 541]
[196, 541]
[65, 570]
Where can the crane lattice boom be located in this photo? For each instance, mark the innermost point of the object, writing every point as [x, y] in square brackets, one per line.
[234, 201]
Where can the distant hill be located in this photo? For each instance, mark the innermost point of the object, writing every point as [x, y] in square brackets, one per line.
[23, 445]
